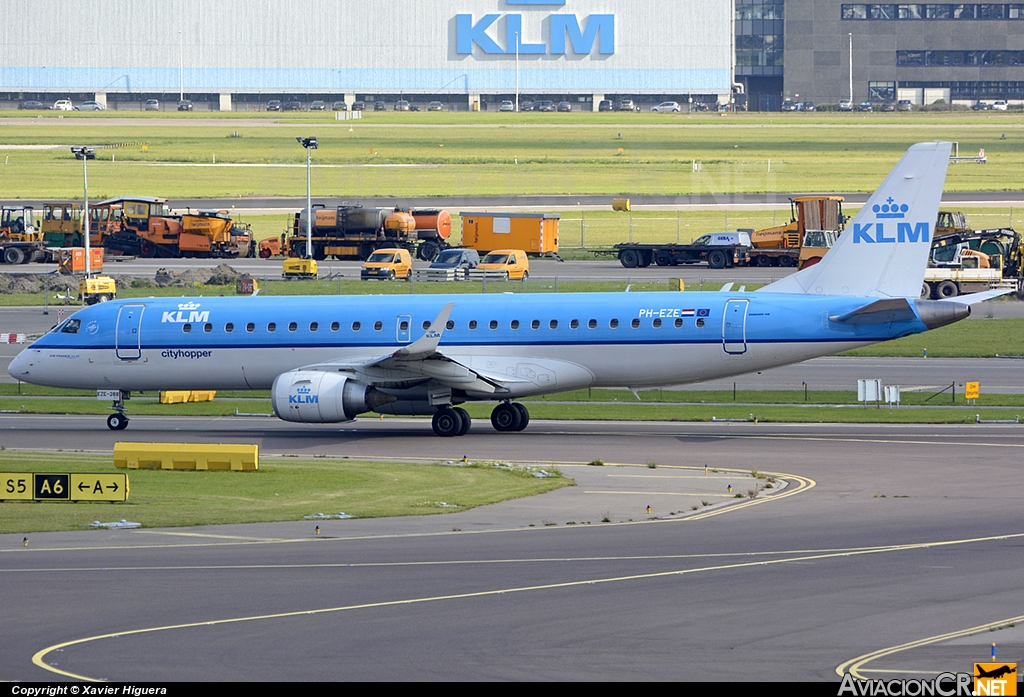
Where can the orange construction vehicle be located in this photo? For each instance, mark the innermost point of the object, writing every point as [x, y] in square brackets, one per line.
[815, 226]
[147, 228]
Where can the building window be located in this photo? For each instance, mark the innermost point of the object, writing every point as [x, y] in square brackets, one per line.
[882, 91]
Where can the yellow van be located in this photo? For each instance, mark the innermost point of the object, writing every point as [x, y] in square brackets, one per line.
[388, 264]
[513, 262]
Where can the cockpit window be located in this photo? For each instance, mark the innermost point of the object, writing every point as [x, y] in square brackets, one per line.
[72, 326]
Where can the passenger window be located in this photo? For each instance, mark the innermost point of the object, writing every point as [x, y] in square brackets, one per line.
[679, 322]
[292, 326]
[229, 327]
[72, 326]
[186, 328]
[656, 323]
[335, 326]
[356, 326]
[575, 324]
[250, 327]
[635, 323]
[613, 323]
[592, 324]
[426, 324]
[553, 324]
[378, 325]
[207, 327]
[449, 325]
[535, 324]
[493, 324]
[313, 326]
[515, 324]
[272, 327]
[472, 324]
[403, 325]
[700, 323]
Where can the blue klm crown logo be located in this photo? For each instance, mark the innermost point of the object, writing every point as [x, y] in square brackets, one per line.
[890, 209]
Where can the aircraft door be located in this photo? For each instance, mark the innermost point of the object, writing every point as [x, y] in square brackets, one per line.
[734, 327]
[402, 333]
[128, 333]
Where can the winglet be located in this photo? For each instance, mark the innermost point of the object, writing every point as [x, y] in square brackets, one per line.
[427, 343]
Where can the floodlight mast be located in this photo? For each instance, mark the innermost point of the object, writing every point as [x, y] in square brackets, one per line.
[85, 154]
[309, 144]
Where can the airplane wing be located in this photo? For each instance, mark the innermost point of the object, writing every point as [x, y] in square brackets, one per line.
[420, 362]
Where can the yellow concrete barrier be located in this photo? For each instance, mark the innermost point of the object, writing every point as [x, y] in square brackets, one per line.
[182, 396]
[187, 456]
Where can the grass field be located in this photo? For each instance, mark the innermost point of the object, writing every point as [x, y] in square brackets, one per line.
[495, 154]
[281, 490]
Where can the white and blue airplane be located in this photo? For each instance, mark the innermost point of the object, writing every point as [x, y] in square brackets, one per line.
[329, 359]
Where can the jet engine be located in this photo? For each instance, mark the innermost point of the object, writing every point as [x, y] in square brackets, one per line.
[317, 397]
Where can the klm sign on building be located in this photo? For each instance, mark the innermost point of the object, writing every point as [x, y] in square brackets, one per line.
[566, 33]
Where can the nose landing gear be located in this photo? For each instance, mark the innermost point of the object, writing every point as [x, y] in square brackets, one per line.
[118, 421]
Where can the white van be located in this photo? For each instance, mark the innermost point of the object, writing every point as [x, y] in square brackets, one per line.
[63, 105]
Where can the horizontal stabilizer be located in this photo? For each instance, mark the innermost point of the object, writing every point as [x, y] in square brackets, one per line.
[879, 312]
[974, 298]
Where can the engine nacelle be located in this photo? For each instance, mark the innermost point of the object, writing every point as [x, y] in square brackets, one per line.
[318, 397]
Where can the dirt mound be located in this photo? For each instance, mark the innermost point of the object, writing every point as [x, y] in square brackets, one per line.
[223, 275]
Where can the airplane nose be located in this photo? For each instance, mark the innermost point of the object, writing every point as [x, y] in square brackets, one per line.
[18, 368]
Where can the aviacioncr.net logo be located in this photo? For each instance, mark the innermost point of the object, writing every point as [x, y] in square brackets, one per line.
[943, 685]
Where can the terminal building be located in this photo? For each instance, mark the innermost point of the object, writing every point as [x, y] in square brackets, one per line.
[473, 54]
[468, 54]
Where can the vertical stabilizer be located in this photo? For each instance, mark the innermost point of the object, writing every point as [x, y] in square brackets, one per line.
[884, 251]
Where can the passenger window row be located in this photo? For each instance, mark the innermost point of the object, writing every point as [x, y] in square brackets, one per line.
[404, 325]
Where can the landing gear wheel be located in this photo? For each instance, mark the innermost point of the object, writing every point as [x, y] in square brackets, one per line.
[447, 422]
[506, 417]
[466, 420]
[117, 422]
[524, 415]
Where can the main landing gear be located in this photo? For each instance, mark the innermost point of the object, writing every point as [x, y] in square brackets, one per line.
[118, 421]
[454, 421]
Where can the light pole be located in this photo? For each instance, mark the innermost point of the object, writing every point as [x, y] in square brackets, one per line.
[85, 154]
[310, 145]
[181, 66]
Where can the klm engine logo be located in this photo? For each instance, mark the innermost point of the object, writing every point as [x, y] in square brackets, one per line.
[565, 31]
[898, 231]
[303, 395]
[187, 312]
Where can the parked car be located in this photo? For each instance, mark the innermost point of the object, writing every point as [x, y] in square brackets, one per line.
[414, 107]
[274, 105]
[185, 105]
[981, 105]
[339, 105]
[32, 104]
[435, 106]
[512, 261]
[888, 106]
[846, 105]
[380, 106]
[565, 106]
[456, 259]
[904, 105]
[402, 105]
[605, 105]
[318, 105]
[292, 105]
[788, 105]
[63, 105]
[626, 105]
[805, 106]
[544, 105]
[387, 264]
[90, 106]
[358, 106]
[152, 105]
[667, 106]
[1000, 105]
[526, 105]
[700, 106]
[507, 105]
[865, 106]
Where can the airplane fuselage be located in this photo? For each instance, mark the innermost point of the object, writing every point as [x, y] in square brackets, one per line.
[548, 342]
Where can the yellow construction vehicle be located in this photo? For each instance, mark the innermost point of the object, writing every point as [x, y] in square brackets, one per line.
[815, 226]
